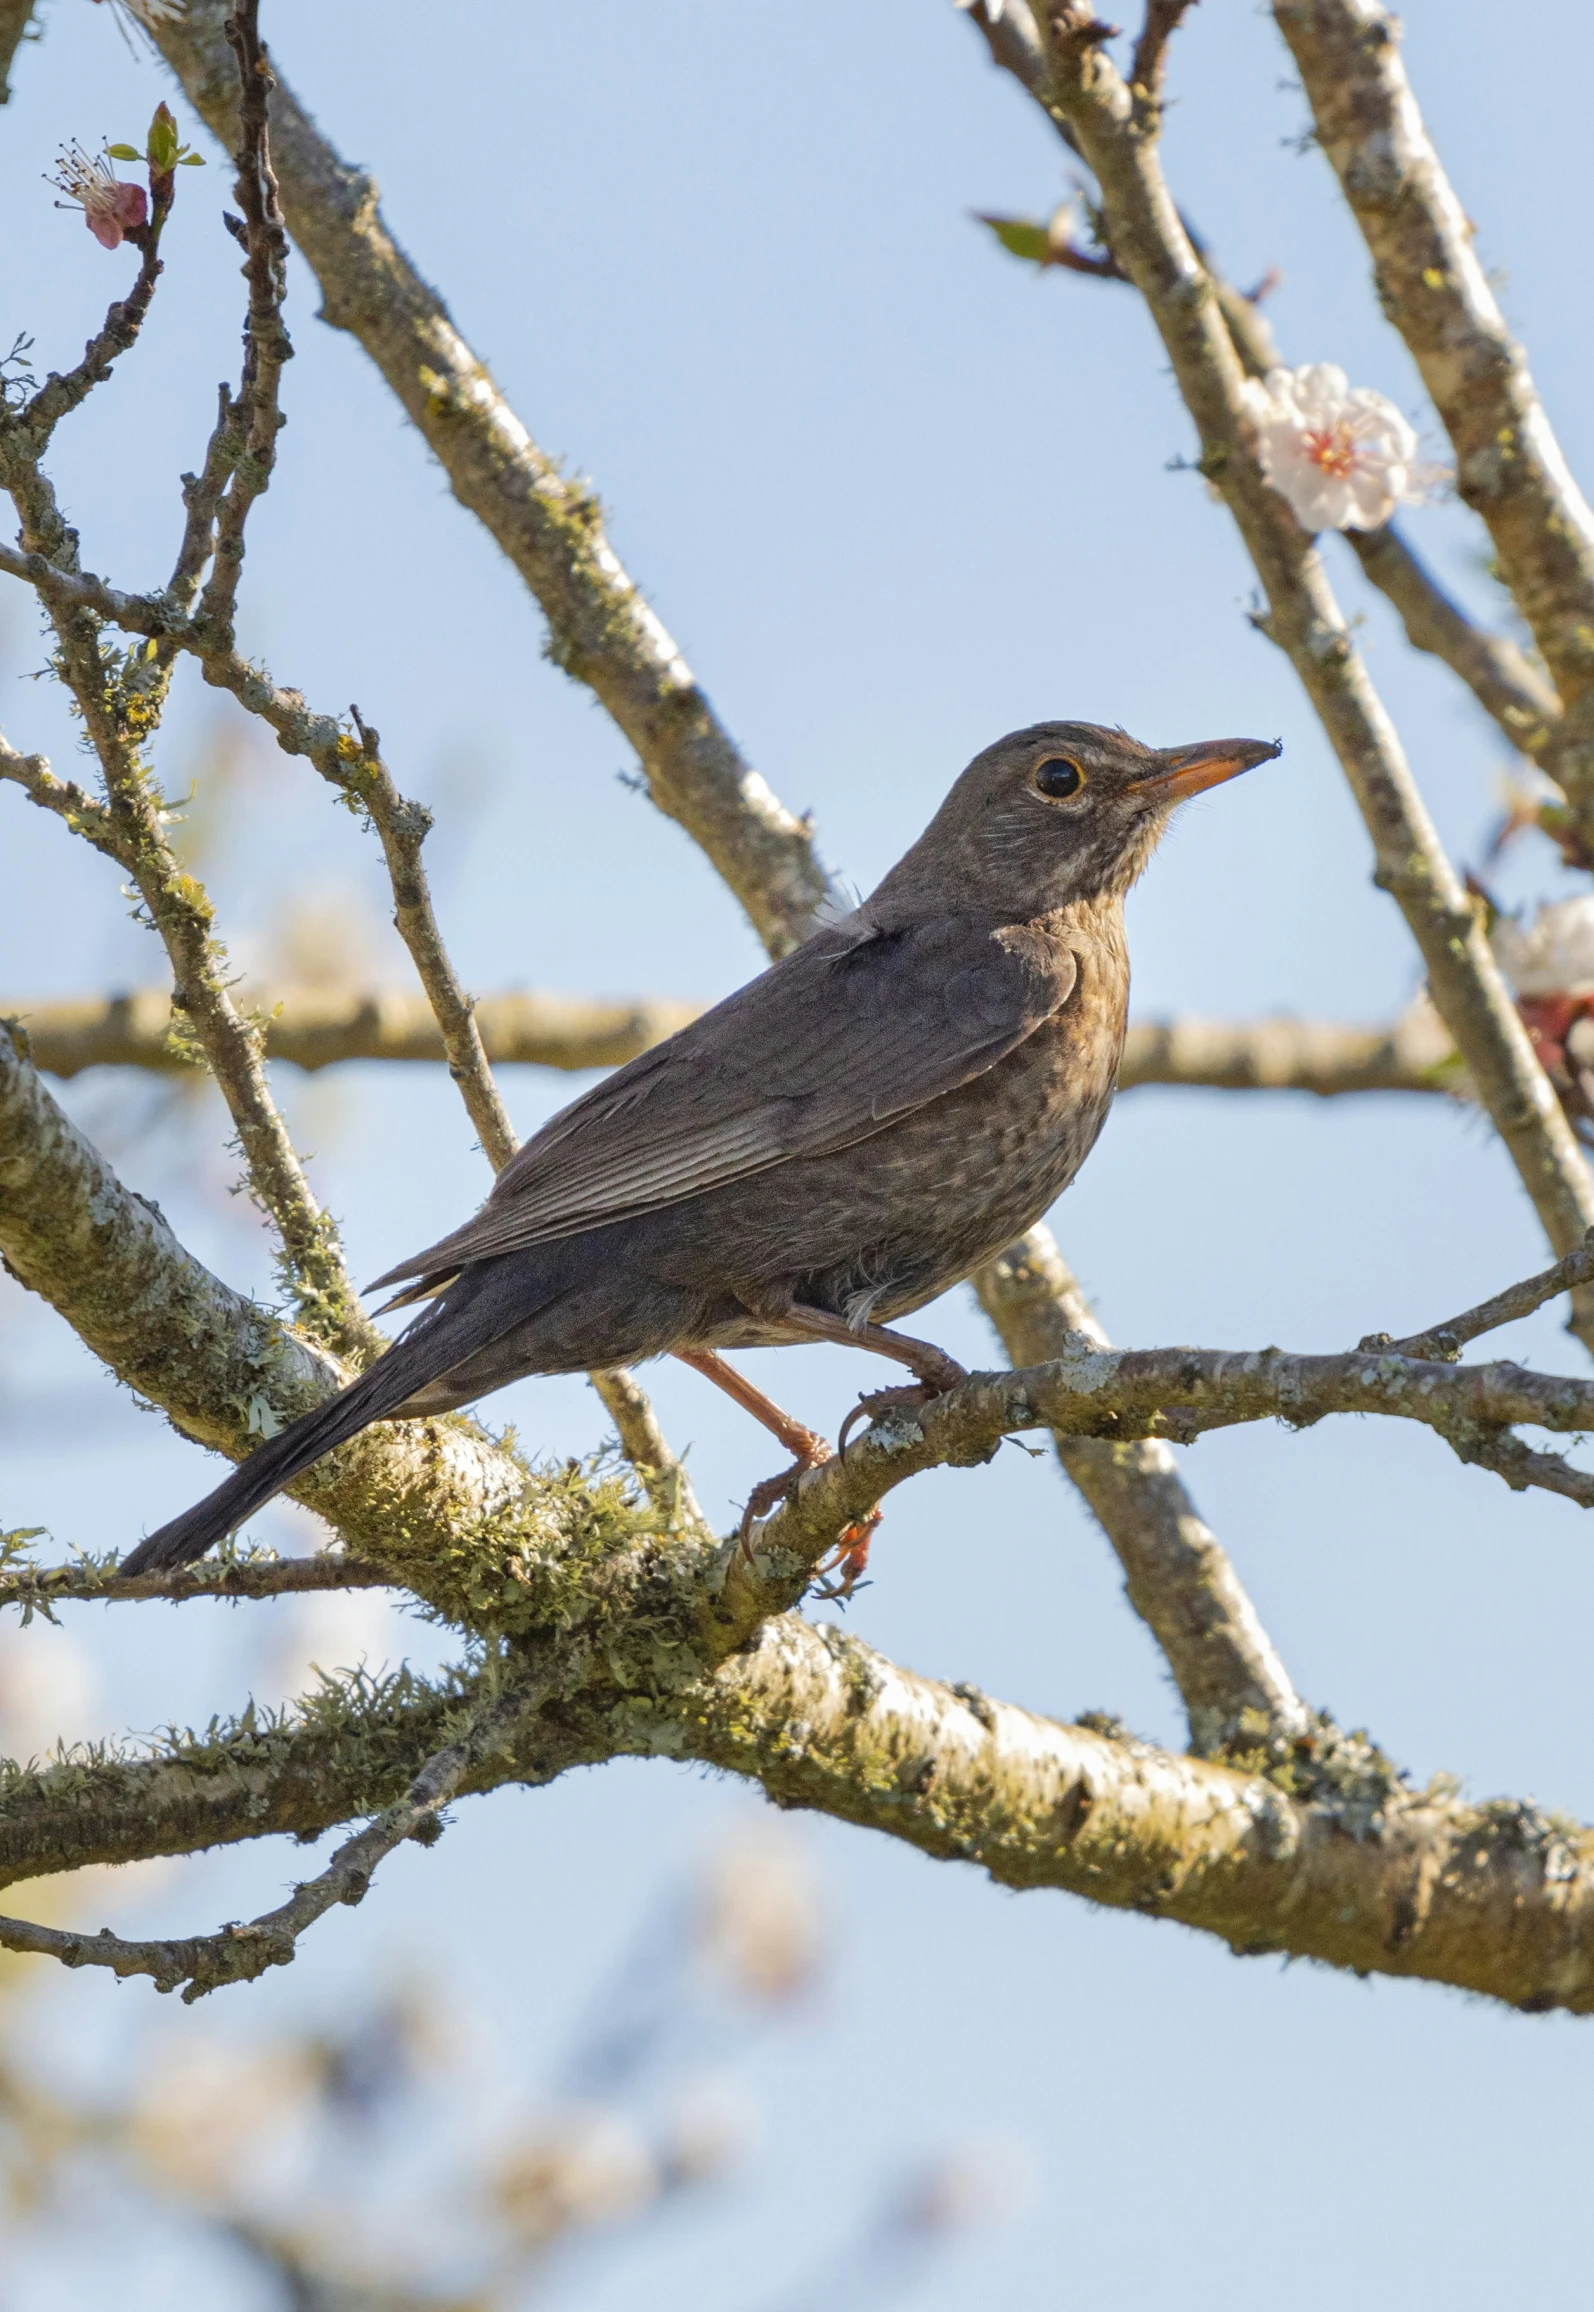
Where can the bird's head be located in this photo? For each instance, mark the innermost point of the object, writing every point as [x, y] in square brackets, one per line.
[1059, 812]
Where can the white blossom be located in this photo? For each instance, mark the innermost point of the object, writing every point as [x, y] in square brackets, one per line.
[1552, 955]
[1342, 456]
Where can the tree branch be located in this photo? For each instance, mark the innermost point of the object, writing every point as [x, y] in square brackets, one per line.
[1518, 1300]
[37, 1589]
[1181, 1394]
[1509, 466]
[319, 1028]
[601, 631]
[1349, 1866]
[237, 1954]
[252, 420]
[15, 16]
[402, 828]
[1150, 63]
[1264, 1860]
[1503, 680]
[1304, 619]
[1177, 1575]
[129, 829]
[468, 1526]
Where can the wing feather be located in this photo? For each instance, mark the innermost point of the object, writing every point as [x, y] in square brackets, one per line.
[854, 1029]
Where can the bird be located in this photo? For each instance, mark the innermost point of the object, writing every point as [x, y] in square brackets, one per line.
[844, 1138]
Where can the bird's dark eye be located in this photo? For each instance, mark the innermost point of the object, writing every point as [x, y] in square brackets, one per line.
[1058, 778]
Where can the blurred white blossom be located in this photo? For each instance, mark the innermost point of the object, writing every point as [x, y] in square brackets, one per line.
[1341, 456]
[760, 1924]
[49, 1690]
[1552, 955]
[328, 1632]
[714, 2124]
[591, 2168]
[981, 2182]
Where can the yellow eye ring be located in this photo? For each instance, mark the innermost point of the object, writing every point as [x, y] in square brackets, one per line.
[1058, 778]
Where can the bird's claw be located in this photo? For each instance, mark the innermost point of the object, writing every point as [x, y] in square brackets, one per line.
[770, 1492]
[910, 1397]
[850, 1557]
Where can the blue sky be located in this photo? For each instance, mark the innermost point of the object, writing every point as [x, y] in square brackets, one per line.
[893, 494]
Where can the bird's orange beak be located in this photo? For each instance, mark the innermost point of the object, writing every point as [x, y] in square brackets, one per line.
[1185, 771]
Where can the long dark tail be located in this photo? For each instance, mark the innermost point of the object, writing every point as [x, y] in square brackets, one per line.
[411, 1362]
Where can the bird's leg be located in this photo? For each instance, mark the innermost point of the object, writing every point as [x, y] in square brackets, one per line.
[933, 1369]
[851, 1552]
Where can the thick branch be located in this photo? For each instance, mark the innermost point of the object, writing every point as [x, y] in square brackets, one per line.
[1330, 1857]
[1509, 465]
[318, 1028]
[1305, 620]
[601, 631]
[1358, 1871]
[1176, 1572]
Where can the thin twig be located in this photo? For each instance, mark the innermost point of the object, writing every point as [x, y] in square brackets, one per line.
[36, 1589]
[1447, 1341]
[1147, 71]
[1502, 678]
[253, 418]
[602, 631]
[60, 394]
[645, 1446]
[357, 767]
[130, 831]
[238, 1953]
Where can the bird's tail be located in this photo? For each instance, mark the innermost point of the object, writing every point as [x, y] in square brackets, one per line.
[406, 1367]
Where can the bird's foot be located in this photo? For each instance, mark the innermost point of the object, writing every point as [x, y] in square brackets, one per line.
[772, 1491]
[910, 1397]
[849, 1560]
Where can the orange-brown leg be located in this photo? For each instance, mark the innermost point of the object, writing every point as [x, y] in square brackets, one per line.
[933, 1369]
[851, 1553]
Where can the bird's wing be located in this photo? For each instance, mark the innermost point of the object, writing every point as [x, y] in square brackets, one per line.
[824, 1049]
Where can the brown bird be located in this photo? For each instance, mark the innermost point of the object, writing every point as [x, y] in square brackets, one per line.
[847, 1136]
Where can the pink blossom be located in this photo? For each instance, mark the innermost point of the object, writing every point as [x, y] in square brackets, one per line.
[111, 209]
[1341, 456]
